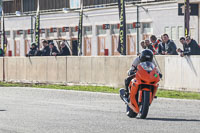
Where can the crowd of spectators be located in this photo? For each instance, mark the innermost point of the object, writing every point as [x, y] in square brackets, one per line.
[49, 49]
[165, 46]
[190, 47]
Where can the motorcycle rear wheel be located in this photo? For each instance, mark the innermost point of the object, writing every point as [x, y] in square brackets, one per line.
[144, 108]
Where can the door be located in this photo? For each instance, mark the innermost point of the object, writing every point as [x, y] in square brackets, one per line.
[131, 44]
[101, 45]
[87, 46]
[8, 47]
[115, 42]
[17, 47]
[27, 46]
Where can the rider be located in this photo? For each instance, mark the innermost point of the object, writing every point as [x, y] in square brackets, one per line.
[146, 55]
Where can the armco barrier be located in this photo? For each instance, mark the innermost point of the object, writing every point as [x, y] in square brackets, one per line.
[178, 73]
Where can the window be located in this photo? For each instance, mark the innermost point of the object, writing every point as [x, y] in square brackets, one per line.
[100, 30]
[29, 5]
[74, 31]
[61, 32]
[18, 33]
[43, 33]
[114, 29]
[11, 6]
[130, 29]
[26, 34]
[87, 30]
[192, 32]
[146, 28]
[167, 31]
[49, 33]
[7, 33]
[180, 32]
[173, 33]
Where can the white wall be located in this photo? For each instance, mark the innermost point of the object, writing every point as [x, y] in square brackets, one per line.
[178, 73]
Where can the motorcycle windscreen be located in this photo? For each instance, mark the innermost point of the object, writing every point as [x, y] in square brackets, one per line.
[148, 66]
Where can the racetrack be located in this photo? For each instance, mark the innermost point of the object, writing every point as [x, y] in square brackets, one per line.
[29, 110]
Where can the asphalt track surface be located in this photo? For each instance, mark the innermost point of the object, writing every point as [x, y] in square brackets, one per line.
[29, 110]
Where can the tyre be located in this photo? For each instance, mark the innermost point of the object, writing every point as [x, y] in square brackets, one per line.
[130, 113]
[144, 108]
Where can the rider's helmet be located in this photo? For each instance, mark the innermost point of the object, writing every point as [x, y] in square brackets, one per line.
[146, 55]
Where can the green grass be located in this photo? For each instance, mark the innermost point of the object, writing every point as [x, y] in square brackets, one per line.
[105, 89]
[64, 87]
[178, 94]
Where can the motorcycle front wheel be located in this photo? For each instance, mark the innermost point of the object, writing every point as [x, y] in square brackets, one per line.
[144, 107]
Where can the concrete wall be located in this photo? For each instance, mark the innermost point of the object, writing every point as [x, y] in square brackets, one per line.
[182, 73]
[178, 73]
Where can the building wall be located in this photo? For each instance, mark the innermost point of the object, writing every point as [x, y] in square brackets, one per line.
[159, 16]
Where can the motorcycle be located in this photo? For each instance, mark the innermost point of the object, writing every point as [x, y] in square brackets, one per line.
[142, 90]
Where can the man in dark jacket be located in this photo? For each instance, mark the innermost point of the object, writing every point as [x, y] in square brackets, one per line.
[64, 50]
[45, 51]
[161, 47]
[190, 47]
[33, 50]
[170, 46]
[53, 49]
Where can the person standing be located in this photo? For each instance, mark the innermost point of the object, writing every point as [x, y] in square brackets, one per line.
[33, 50]
[190, 47]
[170, 46]
[148, 45]
[142, 44]
[64, 50]
[46, 50]
[155, 43]
[161, 47]
[53, 49]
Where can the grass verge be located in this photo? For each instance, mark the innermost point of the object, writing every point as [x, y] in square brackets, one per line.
[105, 89]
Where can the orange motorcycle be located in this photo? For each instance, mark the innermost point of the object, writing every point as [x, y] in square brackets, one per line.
[142, 90]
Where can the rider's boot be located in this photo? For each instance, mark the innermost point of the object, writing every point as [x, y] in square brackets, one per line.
[126, 88]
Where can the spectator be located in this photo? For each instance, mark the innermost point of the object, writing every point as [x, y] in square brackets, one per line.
[33, 50]
[190, 47]
[1, 52]
[161, 47]
[148, 45]
[142, 44]
[170, 46]
[45, 51]
[53, 49]
[155, 43]
[182, 41]
[64, 50]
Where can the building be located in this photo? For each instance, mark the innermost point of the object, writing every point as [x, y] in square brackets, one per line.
[156, 17]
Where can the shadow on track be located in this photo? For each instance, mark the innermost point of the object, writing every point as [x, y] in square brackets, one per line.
[2, 110]
[172, 119]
